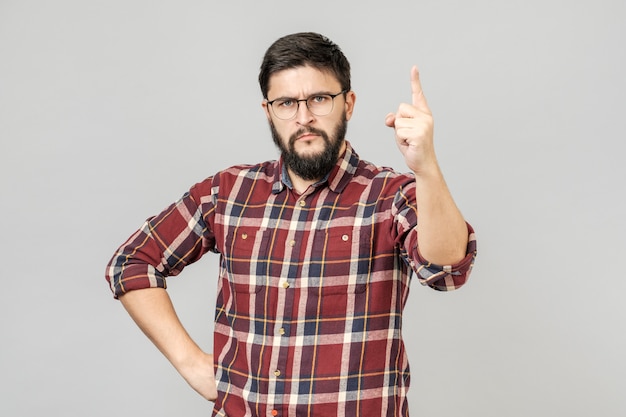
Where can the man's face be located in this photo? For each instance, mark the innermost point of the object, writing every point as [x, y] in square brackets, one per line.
[310, 145]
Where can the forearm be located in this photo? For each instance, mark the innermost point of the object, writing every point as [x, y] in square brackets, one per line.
[442, 231]
[154, 313]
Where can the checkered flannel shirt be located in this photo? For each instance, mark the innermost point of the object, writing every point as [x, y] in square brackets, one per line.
[311, 287]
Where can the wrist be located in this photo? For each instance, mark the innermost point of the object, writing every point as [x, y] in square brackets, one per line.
[191, 358]
[428, 173]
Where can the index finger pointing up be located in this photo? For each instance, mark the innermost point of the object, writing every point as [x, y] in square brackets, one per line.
[417, 94]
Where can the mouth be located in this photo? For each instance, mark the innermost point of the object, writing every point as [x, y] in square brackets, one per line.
[307, 136]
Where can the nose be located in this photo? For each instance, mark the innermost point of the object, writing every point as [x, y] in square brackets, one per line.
[303, 114]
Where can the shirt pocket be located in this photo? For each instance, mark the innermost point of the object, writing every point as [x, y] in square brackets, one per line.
[340, 261]
[245, 259]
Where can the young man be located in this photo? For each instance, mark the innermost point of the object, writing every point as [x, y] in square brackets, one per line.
[316, 253]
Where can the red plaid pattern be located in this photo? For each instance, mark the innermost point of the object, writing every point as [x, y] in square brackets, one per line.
[311, 287]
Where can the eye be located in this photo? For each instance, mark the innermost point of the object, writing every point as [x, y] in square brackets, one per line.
[318, 99]
[288, 102]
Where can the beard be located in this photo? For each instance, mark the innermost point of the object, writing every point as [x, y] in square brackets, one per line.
[315, 166]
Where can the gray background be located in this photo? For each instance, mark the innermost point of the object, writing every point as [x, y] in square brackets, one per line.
[110, 110]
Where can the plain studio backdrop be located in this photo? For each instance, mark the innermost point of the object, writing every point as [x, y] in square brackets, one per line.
[110, 110]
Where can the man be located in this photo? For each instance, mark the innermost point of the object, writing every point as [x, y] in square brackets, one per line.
[316, 253]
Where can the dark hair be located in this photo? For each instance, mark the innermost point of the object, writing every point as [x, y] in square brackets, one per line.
[302, 49]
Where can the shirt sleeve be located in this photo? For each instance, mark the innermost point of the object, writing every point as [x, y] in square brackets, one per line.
[438, 277]
[165, 244]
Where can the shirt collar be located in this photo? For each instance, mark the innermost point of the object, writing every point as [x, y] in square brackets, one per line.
[336, 179]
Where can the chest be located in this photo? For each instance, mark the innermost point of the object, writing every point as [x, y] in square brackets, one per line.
[322, 235]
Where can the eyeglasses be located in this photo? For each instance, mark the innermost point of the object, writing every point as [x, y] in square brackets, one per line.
[318, 104]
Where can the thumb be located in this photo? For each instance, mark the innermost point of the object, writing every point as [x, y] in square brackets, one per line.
[390, 120]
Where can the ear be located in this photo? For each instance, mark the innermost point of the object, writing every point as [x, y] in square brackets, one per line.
[349, 103]
[266, 108]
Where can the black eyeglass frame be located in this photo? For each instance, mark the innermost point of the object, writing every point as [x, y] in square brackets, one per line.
[306, 101]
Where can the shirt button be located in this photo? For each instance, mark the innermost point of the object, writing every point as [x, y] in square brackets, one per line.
[277, 372]
[244, 235]
[345, 238]
[274, 412]
[292, 243]
[302, 203]
[285, 285]
[281, 331]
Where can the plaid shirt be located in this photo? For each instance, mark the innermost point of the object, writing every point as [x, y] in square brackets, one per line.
[311, 287]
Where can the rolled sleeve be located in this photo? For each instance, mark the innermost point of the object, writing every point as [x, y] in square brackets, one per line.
[132, 267]
[438, 277]
[162, 247]
[443, 277]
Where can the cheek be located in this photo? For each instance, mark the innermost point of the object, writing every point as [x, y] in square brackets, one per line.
[282, 132]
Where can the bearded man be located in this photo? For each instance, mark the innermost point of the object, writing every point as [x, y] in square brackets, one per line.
[317, 251]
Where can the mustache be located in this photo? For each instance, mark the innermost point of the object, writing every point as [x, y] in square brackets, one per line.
[305, 131]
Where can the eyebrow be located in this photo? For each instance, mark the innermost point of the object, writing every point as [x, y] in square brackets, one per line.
[317, 93]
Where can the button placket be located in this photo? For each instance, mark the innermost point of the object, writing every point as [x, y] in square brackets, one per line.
[286, 291]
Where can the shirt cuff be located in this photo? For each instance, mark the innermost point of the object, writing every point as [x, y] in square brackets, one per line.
[136, 277]
[446, 277]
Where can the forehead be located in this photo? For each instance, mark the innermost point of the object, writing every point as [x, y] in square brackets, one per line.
[302, 82]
